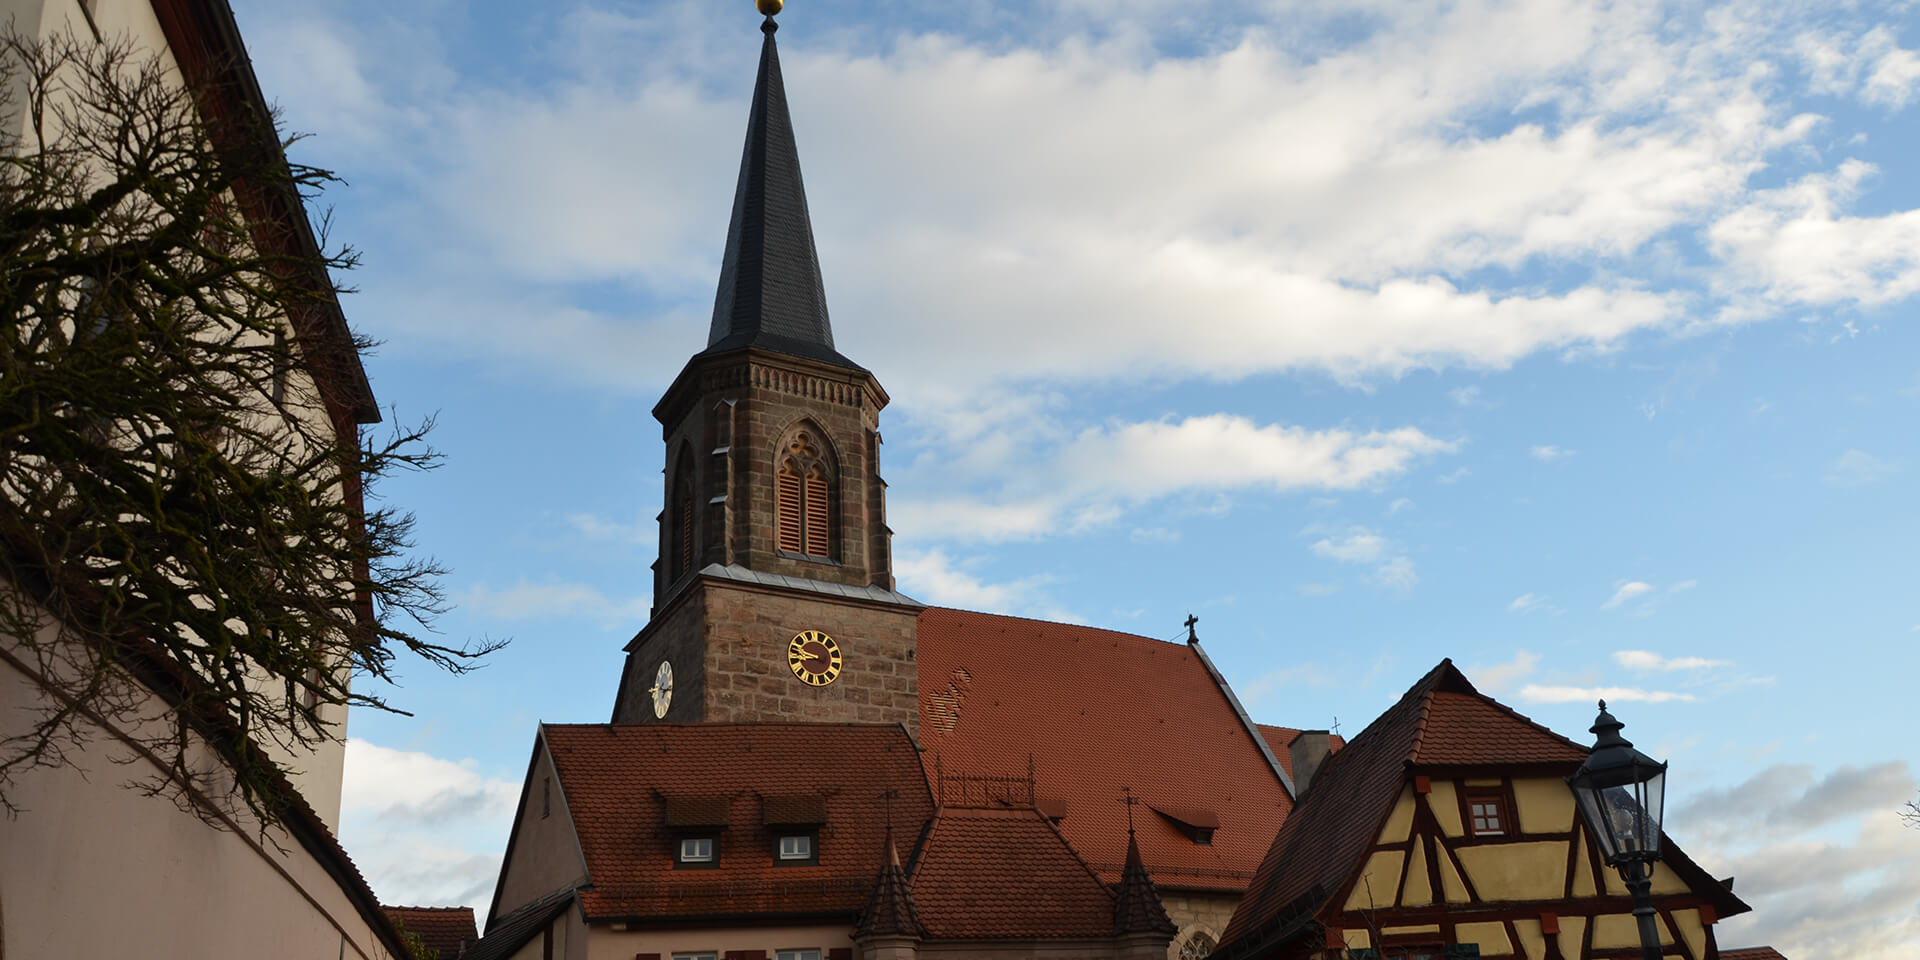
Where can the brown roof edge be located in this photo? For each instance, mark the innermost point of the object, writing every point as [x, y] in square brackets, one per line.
[1253, 730]
[206, 43]
[506, 935]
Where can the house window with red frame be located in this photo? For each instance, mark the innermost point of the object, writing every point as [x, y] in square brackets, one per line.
[1488, 814]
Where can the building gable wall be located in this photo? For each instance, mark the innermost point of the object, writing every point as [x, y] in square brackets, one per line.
[1533, 891]
[543, 854]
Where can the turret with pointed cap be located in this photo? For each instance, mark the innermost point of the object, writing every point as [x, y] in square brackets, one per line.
[1136, 904]
[890, 913]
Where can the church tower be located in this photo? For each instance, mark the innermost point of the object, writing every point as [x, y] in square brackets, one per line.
[773, 595]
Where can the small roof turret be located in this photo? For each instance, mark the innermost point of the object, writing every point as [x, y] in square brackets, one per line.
[1136, 904]
[890, 911]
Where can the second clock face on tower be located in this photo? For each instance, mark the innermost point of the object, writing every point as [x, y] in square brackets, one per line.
[814, 658]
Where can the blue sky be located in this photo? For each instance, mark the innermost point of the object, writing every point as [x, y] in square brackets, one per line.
[1573, 341]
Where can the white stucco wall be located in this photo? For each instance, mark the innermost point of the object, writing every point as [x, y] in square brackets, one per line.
[316, 769]
[93, 868]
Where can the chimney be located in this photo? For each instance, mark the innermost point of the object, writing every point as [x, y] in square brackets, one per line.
[1308, 750]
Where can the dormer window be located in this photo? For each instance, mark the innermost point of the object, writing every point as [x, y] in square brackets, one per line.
[696, 851]
[796, 847]
[1198, 825]
[794, 824]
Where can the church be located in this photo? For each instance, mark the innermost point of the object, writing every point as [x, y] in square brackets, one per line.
[804, 763]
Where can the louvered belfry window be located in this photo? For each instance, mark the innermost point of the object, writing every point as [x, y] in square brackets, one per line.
[802, 505]
[682, 518]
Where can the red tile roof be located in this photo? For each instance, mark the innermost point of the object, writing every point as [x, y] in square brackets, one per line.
[1441, 721]
[1467, 729]
[445, 929]
[1006, 873]
[1752, 953]
[618, 779]
[1095, 712]
[1280, 739]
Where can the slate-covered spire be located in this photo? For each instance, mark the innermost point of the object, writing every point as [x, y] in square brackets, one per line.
[890, 911]
[771, 294]
[1136, 904]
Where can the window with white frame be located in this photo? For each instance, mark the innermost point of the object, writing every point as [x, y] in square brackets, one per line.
[696, 956]
[796, 955]
[696, 850]
[798, 846]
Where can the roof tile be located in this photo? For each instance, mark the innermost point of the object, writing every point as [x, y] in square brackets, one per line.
[1006, 873]
[1096, 712]
[445, 929]
[618, 781]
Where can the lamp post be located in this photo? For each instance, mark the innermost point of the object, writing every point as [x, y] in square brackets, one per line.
[1620, 791]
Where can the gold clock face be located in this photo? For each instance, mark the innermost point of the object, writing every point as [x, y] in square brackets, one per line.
[814, 658]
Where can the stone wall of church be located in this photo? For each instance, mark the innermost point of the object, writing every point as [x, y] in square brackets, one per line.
[1198, 915]
[676, 635]
[748, 679]
[727, 417]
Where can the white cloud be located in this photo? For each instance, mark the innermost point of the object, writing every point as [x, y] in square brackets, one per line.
[1360, 545]
[1455, 476]
[1683, 586]
[1357, 546]
[1857, 468]
[1648, 660]
[1396, 574]
[1096, 475]
[1627, 591]
[424, 830]
[1329, 589]
[931, 576]
[1550, 453]
[1398, 505]
[1793, 245]
[1502, 676]
[1872, 66]
[1539, 693]
[527, 600]
[1311, 675]
[600, 528]
[1532, 603]
[403, 786]
[1827, 866]
[1465, 396]
[1270, 200]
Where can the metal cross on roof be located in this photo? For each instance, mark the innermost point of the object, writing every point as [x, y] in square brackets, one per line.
[1131, 801]
[1191, 620]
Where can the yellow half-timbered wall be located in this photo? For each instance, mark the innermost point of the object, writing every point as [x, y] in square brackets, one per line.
[1532, 888]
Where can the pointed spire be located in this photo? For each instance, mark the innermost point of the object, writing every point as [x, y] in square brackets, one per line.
[890, 911]
[771, 294]
[1136, 904]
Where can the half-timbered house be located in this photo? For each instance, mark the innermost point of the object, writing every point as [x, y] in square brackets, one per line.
[1446, 829]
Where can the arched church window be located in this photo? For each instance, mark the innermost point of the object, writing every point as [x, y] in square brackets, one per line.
[1197, 947]
[681, 516]
[802, 501]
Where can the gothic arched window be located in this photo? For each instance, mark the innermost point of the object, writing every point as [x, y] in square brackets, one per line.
[802, 500]
[1197, 946]
[680, 517]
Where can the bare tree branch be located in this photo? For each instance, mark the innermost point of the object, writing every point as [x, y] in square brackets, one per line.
[182, 509]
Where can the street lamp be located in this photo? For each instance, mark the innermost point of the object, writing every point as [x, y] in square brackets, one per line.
[1621, 791]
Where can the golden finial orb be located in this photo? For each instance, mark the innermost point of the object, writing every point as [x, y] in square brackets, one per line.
[770, 7]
